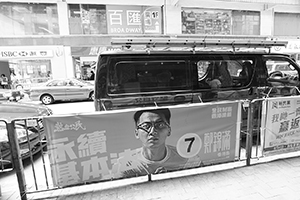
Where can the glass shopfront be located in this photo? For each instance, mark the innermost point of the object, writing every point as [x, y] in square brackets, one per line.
[200, 21]
[28, 19]
[31, 65]
[114, 19]
[29, 72]
[245, 23]
[220, 22]
[87, 19]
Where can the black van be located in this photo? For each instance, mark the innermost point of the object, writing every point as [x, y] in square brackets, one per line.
[169, 72]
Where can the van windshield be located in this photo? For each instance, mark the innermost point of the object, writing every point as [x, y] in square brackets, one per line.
[148, 76]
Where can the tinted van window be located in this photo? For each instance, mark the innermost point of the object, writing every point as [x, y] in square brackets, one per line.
[148, 76]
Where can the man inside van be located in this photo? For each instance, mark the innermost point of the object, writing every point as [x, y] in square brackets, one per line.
[155, 156]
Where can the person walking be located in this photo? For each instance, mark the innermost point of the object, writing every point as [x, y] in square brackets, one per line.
[4, 81]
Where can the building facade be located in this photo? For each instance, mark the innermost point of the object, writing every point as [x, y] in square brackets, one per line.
[62, 38]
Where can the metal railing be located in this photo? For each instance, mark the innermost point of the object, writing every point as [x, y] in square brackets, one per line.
[249, 148]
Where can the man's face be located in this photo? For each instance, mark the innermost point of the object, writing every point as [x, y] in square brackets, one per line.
[152, 129]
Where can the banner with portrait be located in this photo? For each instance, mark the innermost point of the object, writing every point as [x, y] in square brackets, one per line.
[280, 125]
[111, 144]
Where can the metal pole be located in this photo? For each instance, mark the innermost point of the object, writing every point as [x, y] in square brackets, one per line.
[249, 134]
[149, 177]
[16, 158]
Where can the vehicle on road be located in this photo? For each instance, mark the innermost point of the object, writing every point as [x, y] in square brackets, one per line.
[29, 139]
[14, 110]
[282, 70]
[179, 70]
[11, 95]
[31, 135]
[62, 90]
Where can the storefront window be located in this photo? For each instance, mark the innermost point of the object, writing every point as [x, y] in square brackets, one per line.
[245, 23]
[28, 19]
[87, 19]
[200, 21]
[30, 72]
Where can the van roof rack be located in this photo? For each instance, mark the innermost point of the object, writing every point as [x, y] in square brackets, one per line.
[150, 43]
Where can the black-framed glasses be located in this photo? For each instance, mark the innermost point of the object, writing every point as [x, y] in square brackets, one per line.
[147, 126]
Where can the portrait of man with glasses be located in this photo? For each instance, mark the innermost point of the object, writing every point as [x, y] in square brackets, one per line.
[152, 128]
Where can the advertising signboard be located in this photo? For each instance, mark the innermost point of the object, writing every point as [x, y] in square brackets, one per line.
[134, 20]
[129, 143]
[203, 21]
[281, 132]
[292, 48]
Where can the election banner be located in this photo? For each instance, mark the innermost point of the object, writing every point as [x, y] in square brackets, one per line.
[280, 125]
[129, 143]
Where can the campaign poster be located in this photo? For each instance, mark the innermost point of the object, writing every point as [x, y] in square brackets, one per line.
[134, 19]
[280, 125]
[129, 143]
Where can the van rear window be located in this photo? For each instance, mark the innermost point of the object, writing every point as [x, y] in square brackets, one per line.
[148, 76]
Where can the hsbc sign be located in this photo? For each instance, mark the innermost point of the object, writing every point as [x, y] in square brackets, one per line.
[26, 53]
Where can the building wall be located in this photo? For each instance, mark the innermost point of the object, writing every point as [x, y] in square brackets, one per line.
[63, 65]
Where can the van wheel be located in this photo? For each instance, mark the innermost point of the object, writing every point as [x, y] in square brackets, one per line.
[47, 99]
[92, 96]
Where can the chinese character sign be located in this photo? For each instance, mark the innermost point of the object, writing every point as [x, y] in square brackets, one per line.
[114, 144]
[134, 20]
[282, 120]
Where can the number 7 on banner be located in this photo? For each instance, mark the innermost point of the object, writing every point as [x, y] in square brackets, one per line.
[189, 145]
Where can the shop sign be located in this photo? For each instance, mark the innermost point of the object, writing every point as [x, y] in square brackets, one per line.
[292, 46]
[26, 53]
[134, 20]
[92, 51]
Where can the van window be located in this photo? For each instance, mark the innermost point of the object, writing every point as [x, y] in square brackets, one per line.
[280, 68]
[225, 73]
[148, 76]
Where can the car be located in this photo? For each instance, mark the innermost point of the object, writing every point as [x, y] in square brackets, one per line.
[19, 111]
[62, 90]
[11, 95]
[14, 110]
[282, 70]
[37, 140]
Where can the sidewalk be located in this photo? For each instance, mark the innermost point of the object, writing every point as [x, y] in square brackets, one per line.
[271, 180]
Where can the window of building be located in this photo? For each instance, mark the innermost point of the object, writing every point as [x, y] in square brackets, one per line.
[87, 19]
[245, 23]
[28, 19]
[282, 28]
